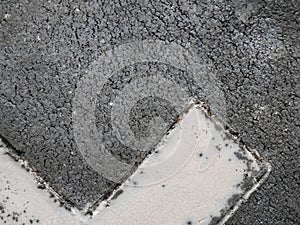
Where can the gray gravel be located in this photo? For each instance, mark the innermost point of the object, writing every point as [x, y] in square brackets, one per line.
[254, 46]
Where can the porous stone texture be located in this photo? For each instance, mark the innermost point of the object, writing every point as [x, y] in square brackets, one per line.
[47, 46]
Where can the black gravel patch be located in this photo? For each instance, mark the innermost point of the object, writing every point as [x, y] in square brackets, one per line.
[253, 45]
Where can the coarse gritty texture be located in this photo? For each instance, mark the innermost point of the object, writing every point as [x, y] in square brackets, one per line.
[46, 47]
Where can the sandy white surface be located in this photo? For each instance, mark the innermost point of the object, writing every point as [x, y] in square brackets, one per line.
[189, 179]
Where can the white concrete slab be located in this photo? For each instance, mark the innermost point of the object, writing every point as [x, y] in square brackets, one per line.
[197, 170]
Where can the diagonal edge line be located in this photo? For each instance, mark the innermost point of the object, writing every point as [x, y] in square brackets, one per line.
[247, 194]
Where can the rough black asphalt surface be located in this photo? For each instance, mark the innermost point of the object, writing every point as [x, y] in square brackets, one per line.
[46, 47]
